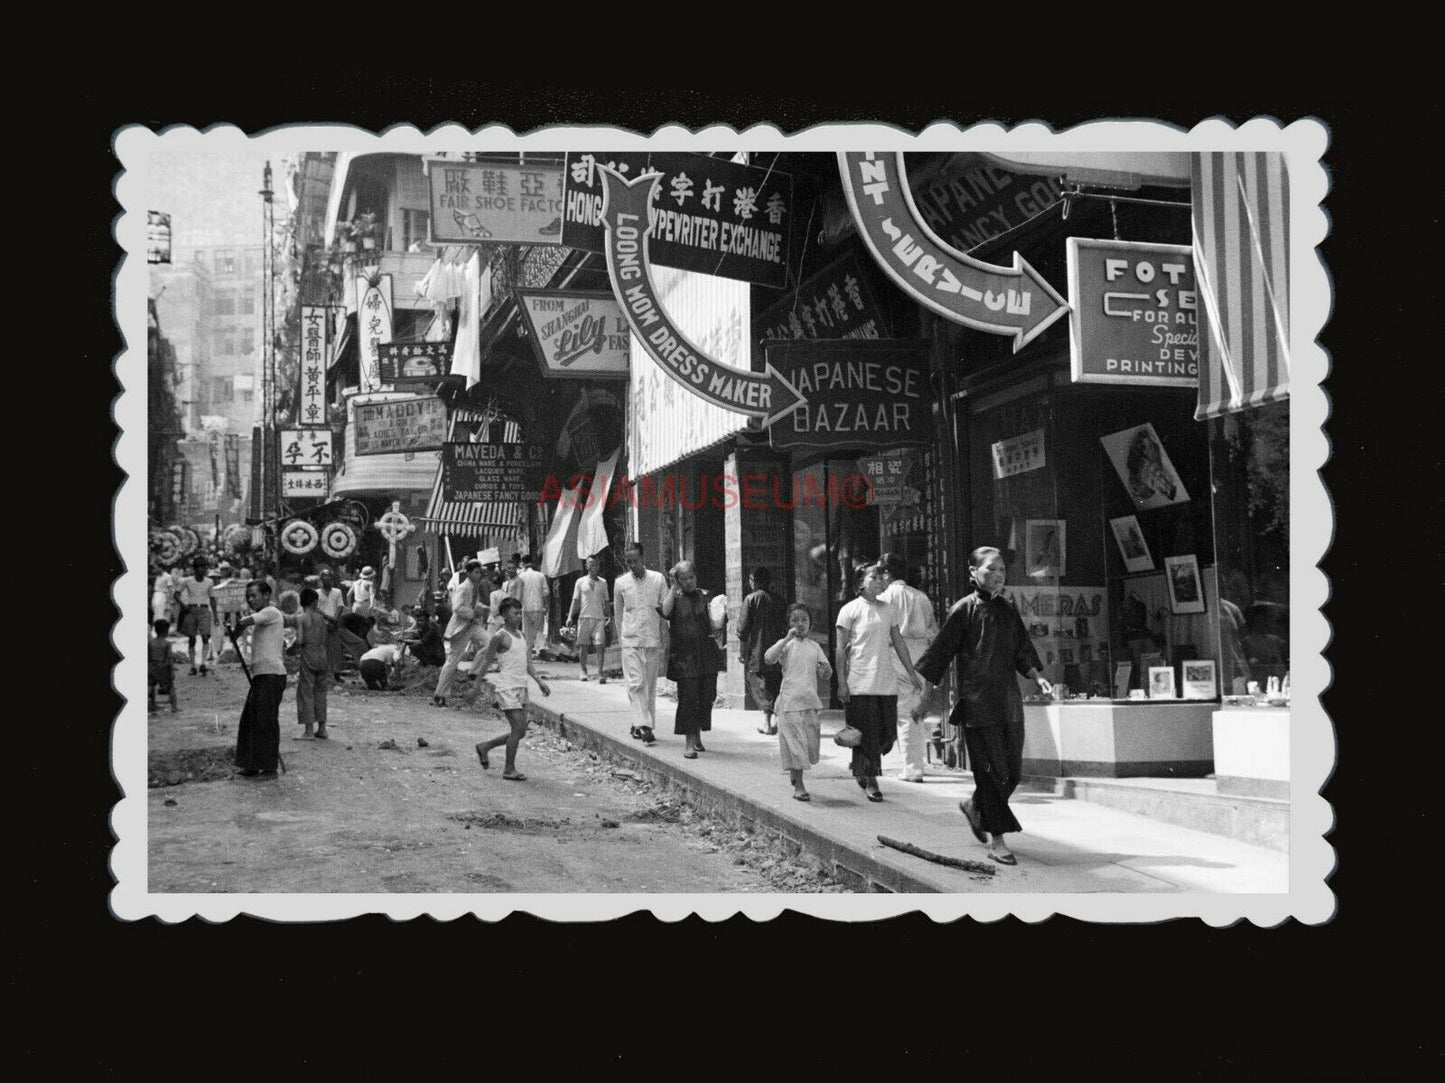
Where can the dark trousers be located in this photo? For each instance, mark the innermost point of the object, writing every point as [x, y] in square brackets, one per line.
[374, 674]
[876, 717]
[695, 696]
[996, 757]
[258, 738]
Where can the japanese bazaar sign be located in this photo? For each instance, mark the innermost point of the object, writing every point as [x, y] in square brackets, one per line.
[576, 334]
[1013, 301]
[413, 363]
[1135, 313]
[706, 214]
[373, 326]
[499, 471]
[766, 395]
[314, 361]
[837, 302]
[495, 203]
[419, 424]
[306, 447]
[871, 393]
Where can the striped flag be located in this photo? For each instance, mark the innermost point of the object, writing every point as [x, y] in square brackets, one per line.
[1241, 257]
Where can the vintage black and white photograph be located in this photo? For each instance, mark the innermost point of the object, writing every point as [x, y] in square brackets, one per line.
[523, 522]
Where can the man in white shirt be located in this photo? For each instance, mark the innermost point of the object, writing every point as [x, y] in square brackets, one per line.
[589, 615]
[467, 625]
[380, 664]
[918, 626]
[637, 604]
[258, 737]
[534, 594]
[198, 611]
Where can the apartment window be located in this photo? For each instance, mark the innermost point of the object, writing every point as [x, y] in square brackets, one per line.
[248, 340]
[225, 340]
[414, 226]
[225, 261]
[225, 302]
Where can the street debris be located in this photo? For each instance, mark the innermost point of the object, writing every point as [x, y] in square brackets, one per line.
[940, 859]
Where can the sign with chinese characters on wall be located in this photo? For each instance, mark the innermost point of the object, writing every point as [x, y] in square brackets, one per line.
[499, 471]
[306, 447]
[710, 215]
[495, 202]
[314, 359]
[576, 334]
[373, 327]
[873, 393]
[418, 424]
[413, 363]
[1018, 454]
[1135, 313]
[837, 302]
[889, 471]
[303, 483]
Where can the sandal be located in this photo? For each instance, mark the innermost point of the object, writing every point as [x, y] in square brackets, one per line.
[689, 755]
[1005, 859]
[875, 795]
[971, 814]
[802, 797]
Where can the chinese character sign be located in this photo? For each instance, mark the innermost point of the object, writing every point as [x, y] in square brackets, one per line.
[414, 362]
[709, 215]
[837, 302]
[373, 327]
[303, 483]
[1018, 454]
[306, 447]
[314, 356]
[495, 203]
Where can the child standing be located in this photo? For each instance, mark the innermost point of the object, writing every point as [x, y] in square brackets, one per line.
[797, 706]
[311, 676]
[160, 668]
[509, 648]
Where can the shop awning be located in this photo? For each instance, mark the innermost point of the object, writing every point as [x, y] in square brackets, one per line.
[386, 474]
[473, 517]
[1241, 261]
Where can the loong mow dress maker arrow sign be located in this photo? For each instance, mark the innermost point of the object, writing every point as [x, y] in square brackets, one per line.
[766, 395]
[1014, 301]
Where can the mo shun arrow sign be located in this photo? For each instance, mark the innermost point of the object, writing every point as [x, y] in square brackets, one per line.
[625, 216]
[1014, 301]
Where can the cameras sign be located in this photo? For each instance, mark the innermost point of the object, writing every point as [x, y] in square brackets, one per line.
[1135, 317]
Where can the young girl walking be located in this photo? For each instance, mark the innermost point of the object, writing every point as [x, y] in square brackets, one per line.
[796, 708]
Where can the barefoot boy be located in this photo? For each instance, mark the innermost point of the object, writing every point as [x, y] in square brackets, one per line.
[161, 669]
[508, 648]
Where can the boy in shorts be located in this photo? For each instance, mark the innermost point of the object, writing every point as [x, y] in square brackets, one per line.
[509, 649]
[160, 670]
[590, 599]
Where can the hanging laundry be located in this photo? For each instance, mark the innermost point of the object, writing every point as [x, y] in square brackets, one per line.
[467, 356]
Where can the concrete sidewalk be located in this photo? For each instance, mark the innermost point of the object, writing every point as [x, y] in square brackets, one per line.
[1067, 846]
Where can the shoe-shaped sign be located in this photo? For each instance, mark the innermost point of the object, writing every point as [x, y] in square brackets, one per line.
[766, 395]
[1014, 301]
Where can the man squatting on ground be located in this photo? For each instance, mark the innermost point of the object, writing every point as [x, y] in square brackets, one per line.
[637, 608]
[589, 617]
[986, 634]
[258, 737]
[509, 648]
[467, 625]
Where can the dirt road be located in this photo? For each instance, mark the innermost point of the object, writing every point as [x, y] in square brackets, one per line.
[396, 801]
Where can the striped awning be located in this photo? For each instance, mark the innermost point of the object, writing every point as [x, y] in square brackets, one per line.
[1241, 261]
[472, 517]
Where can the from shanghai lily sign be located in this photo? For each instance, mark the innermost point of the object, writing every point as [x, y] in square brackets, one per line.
[765, 395]
[1014, 301]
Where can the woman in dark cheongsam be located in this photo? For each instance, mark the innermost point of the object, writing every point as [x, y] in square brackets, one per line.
[693, 659]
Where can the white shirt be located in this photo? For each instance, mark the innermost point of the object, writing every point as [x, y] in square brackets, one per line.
[800, 659]
[267, 642]
[512, 660]
[639, 600]
[591, 597]
[195, 591]
[534, 590]
[362, 591]
[329, 601]
[869, 673]
[915, 621]
[387, 652]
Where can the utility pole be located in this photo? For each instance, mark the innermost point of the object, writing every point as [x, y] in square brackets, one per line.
[270, 488]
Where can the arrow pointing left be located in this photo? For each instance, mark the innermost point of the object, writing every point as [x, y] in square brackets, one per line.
[625, 204]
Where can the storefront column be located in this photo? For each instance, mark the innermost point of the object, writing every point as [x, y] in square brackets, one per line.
[731, 688]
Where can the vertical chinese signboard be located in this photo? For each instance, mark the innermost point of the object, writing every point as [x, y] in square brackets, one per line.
[314, 357]
[373, 326]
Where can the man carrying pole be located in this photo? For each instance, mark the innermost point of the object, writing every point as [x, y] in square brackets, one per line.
[258, 737]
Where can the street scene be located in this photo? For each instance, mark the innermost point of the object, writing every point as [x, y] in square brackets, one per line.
[693, 522]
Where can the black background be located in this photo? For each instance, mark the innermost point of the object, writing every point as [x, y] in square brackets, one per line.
[1171, 1001]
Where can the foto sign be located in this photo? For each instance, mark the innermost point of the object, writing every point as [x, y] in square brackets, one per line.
[495, 202]
[874, 393]
[382, 428]
[303, 483]
[414, 363]
[1135, 313]
[709, 215]
[305, 447]
[575, 333]
[498, 471]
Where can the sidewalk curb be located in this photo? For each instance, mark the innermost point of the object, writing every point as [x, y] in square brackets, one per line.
[852, 866]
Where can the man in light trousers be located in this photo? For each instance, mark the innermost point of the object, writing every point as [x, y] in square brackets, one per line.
[468, 625]
[919, 627]
[534, 595]
[637, 601]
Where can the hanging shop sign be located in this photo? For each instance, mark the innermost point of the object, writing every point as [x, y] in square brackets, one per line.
[413, 364]
[373, 326]
[876, 393]
[889, 472]
[1018, 454]
[315, 357]
[419, 424]
[306, 447]
[1013, 301]
[233, 466]
[576, 334]
[495, 202]
[303, 483]
[706, 214]
[500, 471]
[766, 395]
[1134, 316]
[968, 200]
[837, 302]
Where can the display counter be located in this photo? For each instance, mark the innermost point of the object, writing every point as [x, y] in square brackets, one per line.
[1119, 739]
[1251, 751]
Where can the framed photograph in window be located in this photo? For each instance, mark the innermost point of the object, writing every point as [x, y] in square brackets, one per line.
[1132, 546]
[1199, 679]
[1044, 547]
[1161, 682]
[1186, 592]
[1144, 467]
